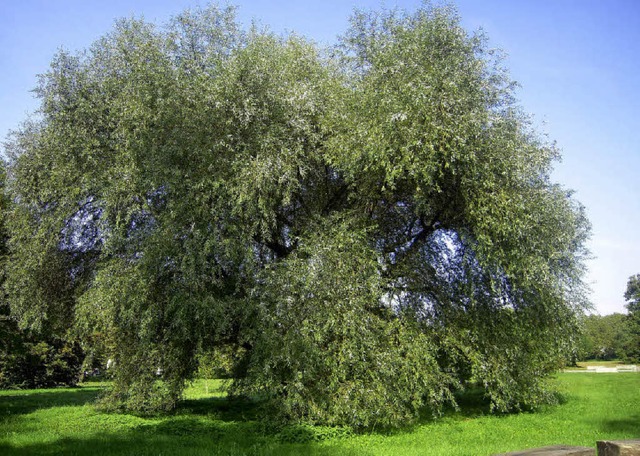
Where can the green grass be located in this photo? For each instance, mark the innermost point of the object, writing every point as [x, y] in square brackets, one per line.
[63, 421]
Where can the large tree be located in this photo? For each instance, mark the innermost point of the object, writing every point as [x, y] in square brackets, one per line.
[372, 228]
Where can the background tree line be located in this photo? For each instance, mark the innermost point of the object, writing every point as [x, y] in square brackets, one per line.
[608, 337]
[364, 230]
[615, 336]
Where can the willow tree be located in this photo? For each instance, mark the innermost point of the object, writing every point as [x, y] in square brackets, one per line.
[372, 227]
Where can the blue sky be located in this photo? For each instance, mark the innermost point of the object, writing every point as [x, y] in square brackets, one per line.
[578, 63]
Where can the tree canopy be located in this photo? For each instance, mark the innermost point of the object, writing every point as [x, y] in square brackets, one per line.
[370, 227]
[632, 296]
[604, 337]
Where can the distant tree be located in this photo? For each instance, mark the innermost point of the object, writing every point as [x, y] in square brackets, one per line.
[632, 296]
[375, 227]
[32, 361]
[215, 363]
[604, 337]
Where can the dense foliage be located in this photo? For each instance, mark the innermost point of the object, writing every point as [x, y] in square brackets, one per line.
[615, 336]
[30, 360]
[632, 296]
[34, 362]
[604, 337]
[367, 229]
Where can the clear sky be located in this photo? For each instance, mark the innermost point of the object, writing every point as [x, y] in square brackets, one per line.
[578, 63]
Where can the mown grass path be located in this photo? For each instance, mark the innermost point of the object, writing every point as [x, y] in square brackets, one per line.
[63, 421]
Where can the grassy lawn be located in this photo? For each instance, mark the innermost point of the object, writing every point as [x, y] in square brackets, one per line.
[63, 421]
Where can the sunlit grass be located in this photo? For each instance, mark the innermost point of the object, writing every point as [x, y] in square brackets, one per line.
[64, 421]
